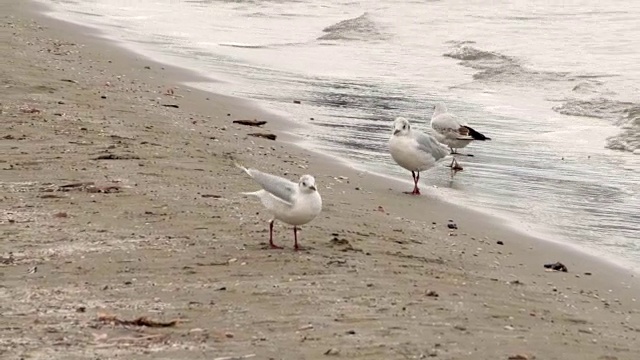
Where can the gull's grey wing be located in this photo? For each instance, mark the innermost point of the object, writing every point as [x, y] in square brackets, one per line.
[449, 125]
[275, 185]
[430, 145]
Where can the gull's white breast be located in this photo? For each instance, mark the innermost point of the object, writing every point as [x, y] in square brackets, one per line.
[304, 209]
[405, 151]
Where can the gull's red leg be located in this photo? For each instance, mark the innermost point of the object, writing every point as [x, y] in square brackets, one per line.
[416, 177]
[416, 190]
[295, 239]
[271, 244]
[455, 167]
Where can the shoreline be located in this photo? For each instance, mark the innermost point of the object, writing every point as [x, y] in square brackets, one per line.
[463, 267]
[281, 124]
[535, 233]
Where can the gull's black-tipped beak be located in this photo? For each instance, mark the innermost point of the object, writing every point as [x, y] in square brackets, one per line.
[312, 188]
[395, 132]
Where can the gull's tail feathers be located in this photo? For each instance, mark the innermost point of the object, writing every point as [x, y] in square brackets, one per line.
[250, 193]
[477, 135]
[241, 167]
[253, 193]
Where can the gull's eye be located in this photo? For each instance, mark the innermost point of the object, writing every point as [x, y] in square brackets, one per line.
[404, 127]
[304, 183]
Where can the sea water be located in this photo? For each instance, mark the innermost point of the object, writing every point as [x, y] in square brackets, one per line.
[556, 85]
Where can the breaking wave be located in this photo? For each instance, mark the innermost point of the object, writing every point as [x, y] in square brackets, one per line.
[360, 28]
[469, 53]
[621, 113]
[597, 108]
[629, 138]
[496, 67]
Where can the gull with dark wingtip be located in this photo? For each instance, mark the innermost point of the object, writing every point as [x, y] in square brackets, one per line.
[450, 131]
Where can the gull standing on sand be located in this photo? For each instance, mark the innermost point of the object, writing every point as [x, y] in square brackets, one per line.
[415, 151]
[294, 204]
[450, 131]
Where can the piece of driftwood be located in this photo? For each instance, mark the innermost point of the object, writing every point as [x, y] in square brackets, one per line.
[211, 196]
[141, 321]
[51, 196]
[264, 135]
[75, 185]
[116, 157]
[250, 122]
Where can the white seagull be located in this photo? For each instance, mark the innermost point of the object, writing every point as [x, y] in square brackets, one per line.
[450, 131]
[294, 204]
[415, 151]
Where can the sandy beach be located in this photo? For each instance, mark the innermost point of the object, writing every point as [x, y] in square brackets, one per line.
[119, 199]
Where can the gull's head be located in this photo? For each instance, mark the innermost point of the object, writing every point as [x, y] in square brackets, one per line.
[401, 126]
[307, 184]
[439, 108]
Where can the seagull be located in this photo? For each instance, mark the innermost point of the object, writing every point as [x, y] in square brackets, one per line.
[294, 204]
[415, 151]
[450, 131]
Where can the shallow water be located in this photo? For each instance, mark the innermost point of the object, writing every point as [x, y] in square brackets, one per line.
[556, 87]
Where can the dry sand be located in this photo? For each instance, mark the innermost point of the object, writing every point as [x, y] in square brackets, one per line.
[162, 232]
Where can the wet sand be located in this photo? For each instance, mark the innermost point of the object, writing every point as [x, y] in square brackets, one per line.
[114, 204]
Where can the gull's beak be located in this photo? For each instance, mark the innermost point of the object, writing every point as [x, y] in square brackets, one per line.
[396, 131]
[312, 188]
